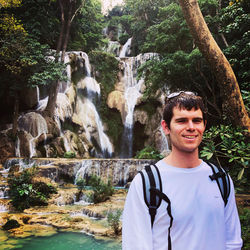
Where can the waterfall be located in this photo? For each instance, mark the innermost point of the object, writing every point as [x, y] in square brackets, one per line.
[4, 190]
[83, 171]
[35, 125]
[118, 171]
[87, 111]
[17, 147]
[132, 92]
[63, 106]
[113, 48]
[3, 208]
[164, 142]
[125, 48]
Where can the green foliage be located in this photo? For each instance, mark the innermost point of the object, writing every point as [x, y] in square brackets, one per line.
[123, 38]
[25, 192]
[86, 33]
[112, 118]
[69, 154]
[170, 33]
[113, 218]
[106, 67]
[101, 191]
[81, 183]
[244, 214]
[180, 64]
[228, 147]
[246, 98]
[149, 153]
[235, 22]
[40, 19]
[24, 62]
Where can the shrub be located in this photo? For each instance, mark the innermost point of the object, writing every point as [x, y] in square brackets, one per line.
[113, 218]
[245, 222]
[69, 154]
[100, 191]
[227, 146]
[149, 153]
[80, 183]
[25, 191]
[123, 38]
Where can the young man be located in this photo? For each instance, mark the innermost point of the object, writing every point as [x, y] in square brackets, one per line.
[200, 219]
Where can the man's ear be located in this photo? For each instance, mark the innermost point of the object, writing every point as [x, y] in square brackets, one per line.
[165, 127]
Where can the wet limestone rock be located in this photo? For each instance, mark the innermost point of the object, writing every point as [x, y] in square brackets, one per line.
[34, 123]
[25, 139]
[64, 197]
[10, 224]
[141, 116]
[116, 100]
[71, 94]
[7, 145]
[52, 127]
[64, 108]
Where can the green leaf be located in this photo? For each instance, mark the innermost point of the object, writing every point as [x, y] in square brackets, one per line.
[209, 155]
[240, 174]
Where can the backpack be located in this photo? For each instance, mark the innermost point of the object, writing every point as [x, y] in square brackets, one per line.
[153, 195]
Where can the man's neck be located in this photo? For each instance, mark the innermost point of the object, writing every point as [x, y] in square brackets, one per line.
[183, 159]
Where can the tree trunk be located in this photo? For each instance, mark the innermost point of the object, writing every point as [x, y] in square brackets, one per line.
[219, 64]
[61, 45]
[66, 37]
[59, 42]
[54, 88]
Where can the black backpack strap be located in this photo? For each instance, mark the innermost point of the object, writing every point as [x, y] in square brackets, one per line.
[222, 179]
[153, 195]
[151, 179]
[164, 197]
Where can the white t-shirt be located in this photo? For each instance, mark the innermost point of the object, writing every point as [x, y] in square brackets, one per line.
[200, 219]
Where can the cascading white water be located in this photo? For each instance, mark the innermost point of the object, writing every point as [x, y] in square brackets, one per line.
[83, 171]
[125, 48]
[87, 112]
[132, 92]
[35, 125]
[113, 48]
[65, 85]
[3, 208]
[164, 142]
[17, 147]
[63, 107]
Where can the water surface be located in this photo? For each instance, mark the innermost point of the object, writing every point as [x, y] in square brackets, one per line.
[62, 241]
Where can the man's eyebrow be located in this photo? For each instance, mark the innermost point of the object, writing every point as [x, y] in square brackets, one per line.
[198, 118]
[185, 118]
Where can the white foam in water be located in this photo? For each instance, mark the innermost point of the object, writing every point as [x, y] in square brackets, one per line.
[3, 209]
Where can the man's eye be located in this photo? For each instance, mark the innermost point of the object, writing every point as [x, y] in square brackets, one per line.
[197, 120]
[180, 120]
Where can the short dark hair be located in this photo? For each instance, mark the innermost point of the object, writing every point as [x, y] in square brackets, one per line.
[183, 100]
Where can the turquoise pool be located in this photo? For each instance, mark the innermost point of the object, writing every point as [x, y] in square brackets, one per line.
[62, 241]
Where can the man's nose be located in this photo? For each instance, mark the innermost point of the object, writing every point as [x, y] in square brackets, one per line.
[190, 125]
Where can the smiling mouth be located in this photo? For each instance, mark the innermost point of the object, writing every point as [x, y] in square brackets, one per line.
[190, 136]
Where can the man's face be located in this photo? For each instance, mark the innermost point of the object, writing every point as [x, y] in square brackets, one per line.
[186, 129]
